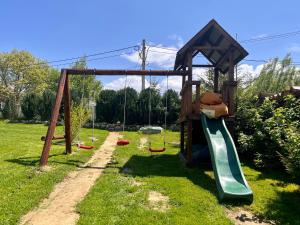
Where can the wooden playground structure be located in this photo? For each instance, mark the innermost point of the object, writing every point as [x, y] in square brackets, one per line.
[213, 42]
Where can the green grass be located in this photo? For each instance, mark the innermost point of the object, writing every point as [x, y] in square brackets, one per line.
[115, 199]
[192, 192]
[22, 186]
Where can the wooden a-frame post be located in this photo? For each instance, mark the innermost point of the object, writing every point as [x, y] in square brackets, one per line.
[62, 88]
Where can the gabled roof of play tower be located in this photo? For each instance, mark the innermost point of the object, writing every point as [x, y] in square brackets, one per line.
[212, 35]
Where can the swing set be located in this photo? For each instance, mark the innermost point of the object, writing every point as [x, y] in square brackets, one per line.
[63, 94]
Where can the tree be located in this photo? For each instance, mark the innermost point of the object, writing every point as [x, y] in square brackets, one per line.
[173, 103]
[46, 103]
[276, 76]
[84, 86]
[156, 115]
[30, 106]
[20, 73]
[131, 108]
[105, 110]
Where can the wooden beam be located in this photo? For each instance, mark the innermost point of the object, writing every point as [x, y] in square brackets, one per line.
[223, 58]
[67, 112]
[203, 65]
[53, 121]
[216, 80]
[126, 72]
[207, 47]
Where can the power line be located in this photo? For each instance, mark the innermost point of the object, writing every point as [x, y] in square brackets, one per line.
[79, 57]
[271, 37]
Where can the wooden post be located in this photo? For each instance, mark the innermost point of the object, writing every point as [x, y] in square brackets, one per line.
[216, 80]
[189, 104]
[231, 88]
[54, 117]
[67, 112]
[197, 92]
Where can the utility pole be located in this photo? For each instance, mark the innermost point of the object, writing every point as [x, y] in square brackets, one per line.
[143, 62]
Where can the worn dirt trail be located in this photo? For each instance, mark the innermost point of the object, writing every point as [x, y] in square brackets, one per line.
[59, 207]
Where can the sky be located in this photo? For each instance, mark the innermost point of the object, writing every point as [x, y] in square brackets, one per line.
[60, 29]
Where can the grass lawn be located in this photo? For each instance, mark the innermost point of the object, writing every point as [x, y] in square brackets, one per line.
[22, 186]
[120, 195]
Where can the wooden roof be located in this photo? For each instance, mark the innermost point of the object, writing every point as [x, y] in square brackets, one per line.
[214, 43]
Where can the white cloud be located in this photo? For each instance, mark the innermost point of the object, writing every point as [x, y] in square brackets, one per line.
[133, 82]
[160, 56]
[294, 48]
[246, 69]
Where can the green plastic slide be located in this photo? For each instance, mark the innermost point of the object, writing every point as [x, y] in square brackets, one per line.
[230, 180]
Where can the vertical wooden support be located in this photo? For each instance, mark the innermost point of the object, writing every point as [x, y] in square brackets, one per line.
[67, 112]
[189, 104]
[54, 117]
[182, 113]
[182, 137]
[216, 80]
[183, 78]
[197, 92]
[231, 89]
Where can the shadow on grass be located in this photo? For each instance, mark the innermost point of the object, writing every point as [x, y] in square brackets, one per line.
[272, 173]
[34, 161]
[285, 208]
[168, 166]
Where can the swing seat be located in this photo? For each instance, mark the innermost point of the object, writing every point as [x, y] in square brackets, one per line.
[87, 147]
[122, 142]
[157, 149]
[151, 130]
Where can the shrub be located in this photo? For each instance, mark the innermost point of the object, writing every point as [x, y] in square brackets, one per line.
[79, 117]
[269, 134]
[30, 106]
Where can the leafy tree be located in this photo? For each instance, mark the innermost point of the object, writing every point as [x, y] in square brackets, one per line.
[84, 86]
[30, 106]
[131, 112]
[173, 103]
[275, 77]
[156, 106]
[105, 109]
[46, 103]
[20, 73]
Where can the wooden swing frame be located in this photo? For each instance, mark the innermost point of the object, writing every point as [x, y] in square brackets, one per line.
[63, 93]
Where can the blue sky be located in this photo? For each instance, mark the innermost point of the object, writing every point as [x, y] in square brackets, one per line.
[57, 29]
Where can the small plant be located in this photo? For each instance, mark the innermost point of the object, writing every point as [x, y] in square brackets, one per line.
[79, 117]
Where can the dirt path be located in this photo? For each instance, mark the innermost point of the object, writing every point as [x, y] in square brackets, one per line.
[242, 217]
[59, 207]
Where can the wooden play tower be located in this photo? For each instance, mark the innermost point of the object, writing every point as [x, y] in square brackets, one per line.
[223, 52]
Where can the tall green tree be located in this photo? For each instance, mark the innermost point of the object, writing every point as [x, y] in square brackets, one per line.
[275, 77]
[131, 108]
[156, 114]
[105, 109]
[84, 86]
[173, 105]
[20, 73]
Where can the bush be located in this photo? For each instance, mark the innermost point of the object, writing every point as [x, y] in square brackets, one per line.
[46, 103]
[30, 106]
[79, 117]
[269, 134]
